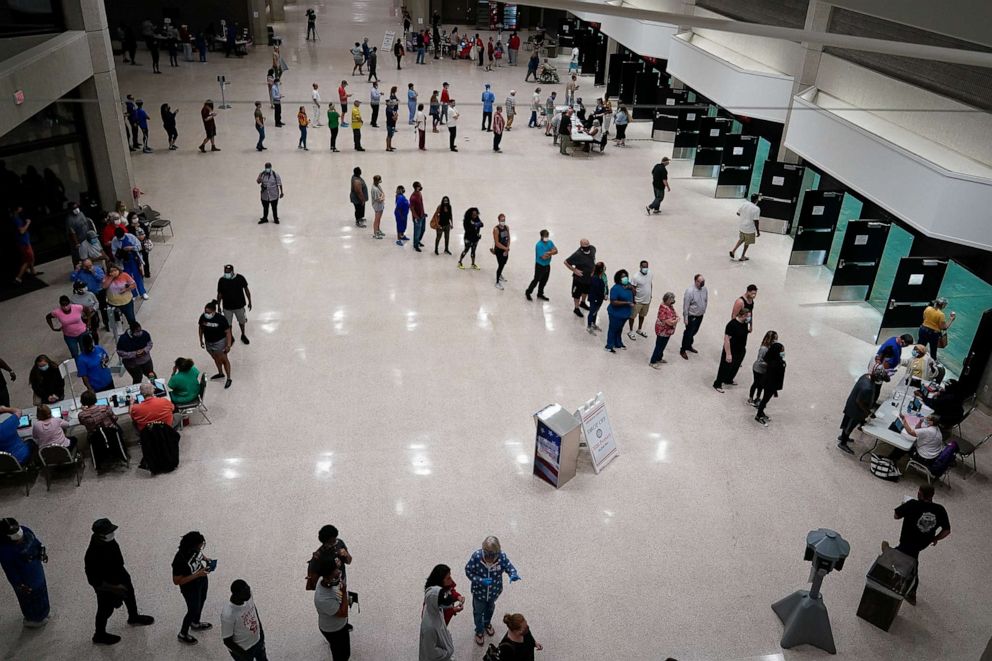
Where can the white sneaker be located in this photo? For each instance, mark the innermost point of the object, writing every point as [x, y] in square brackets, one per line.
[145, 296]
[499, 285]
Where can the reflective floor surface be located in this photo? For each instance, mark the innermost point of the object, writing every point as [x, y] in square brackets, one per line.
[389, 393]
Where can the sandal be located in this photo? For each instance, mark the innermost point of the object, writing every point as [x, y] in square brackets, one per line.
[480, 639]
[490, 631]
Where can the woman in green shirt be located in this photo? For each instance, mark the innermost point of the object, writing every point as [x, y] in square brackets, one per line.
[333, 122]
[184, 386]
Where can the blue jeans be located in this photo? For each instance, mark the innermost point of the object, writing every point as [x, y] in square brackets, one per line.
[420, 55]
[659, 195]
[593, 311]
[303, 137]
[533, 118]
[73, 344]
[261, 137]
[930, 338]
[418, 230]
[660, 343]
[127, 311]
[614, 335]
[482, 613]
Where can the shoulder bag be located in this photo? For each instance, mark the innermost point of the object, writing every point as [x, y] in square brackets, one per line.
[434, 221]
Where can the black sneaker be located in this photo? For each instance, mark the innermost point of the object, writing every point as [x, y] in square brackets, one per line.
[106, 639]
[527, 294]
[691, 350]
[845, 447]
[762, 419]
[577, 312]
[218, 375]
[276, 221]
[583, 306]
[186, 638]
[543, 297]
[262, 221]
[227, 384]
[141, 620]
[245, 340]
[201, 626]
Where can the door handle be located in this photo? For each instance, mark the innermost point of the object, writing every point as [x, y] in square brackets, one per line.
[893, 304]
[842, 263]
[817, 230]
[776, 199]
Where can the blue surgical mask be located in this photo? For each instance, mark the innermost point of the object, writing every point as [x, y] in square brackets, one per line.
[916, 353]
[228, 275]
[95, 242]
[625, 281]
[43, 367]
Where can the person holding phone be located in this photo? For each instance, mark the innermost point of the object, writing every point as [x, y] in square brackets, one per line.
[216, 338]
[189, 571]
[93, 365]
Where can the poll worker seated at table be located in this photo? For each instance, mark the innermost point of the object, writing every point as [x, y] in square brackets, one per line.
[153, 409]
[47, 430]
[95, 416]
[931, 433]
[47, 384]
[184, 385]
[22, 450]
[93, 365]
[922, 366]
[947, 403]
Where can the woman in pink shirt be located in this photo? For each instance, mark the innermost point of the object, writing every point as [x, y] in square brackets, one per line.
[51, 431]
[73, 321]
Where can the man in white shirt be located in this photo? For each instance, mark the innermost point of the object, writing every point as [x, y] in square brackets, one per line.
[535, 108]
[315, 95]
[453, 116]
[642, 299]
[747, 226]
[240, 626]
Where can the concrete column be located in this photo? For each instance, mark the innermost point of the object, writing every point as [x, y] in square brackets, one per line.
[277, 11]
[102, 106]
[258, 19]
[688, 8]
[818, 19]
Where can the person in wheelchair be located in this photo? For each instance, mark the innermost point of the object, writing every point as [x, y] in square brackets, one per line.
[547, 73]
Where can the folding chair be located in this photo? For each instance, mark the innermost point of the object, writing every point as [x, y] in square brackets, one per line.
[11, 469]
[56, 457]
[160, 225]
[920, 467]
[967, 449]
[197, 404]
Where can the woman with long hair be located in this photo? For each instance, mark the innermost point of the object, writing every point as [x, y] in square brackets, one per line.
[378, 199]
[597, 294]
[169, 124]
[189, 571]
[304, 122]
[444, 222]
[472, 225]
[435, 639]
[47, 384]
[450, 599]
[759, 369]
[774, 378]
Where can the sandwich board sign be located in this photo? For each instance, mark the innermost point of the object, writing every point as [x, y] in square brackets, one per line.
[598, 432]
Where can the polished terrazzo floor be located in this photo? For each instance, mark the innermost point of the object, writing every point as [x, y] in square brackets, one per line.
[389, 393]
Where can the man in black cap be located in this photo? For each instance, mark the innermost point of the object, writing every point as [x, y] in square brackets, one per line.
[106, 573]
[859, 405]
[233, 295]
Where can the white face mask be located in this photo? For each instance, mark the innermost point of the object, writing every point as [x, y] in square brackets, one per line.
[228, 275]
[17, 536]
[644, 271]
[109, 537]
[208, 315]
[76, 211]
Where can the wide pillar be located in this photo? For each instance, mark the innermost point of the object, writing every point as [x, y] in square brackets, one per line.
[277, 11]
[102, 112]
[817, 19]
[258, 17]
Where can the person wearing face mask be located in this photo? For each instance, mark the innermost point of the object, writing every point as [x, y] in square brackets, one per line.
[189, 571]
[331, 601]
[358, 194]
[621, 303]
[47, 431]
[233, 295]
[642, 282]
[773, 380]
[91, 249]
[73, 322]
[734, 349]
[859, 404]
[127, 250]
[240, 625]
[139, 228]
[25, 450]
[435, 639]
[485, 570]
[77, 226]
[599, 288]
[215, 336]
[378, 206]
[922, 367]
[272, 192]
[47, 384]
[135, 350]
[694, 302]
[93, 365]
[91, 277]
[501, 248]
[400, 213]
[472, 224]
[105, 572]
[664, 328]
[419, 215]
[581, 263]
[82, 296]
[120, 288]
[442, 222]
[22, 556]
[544, 250]
[746, 303]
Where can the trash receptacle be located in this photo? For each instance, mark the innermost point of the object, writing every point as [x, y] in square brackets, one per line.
[888, 581]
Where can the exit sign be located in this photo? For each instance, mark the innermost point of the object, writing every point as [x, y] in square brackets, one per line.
[18, 97]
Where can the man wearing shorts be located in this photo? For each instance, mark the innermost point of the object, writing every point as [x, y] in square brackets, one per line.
[642, 299]
[581, 263]
[747, 228]
[207, 114]
[233, 294]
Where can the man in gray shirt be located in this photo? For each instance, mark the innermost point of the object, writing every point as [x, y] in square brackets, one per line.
[76, 226]
[693, 308]
[271, 184]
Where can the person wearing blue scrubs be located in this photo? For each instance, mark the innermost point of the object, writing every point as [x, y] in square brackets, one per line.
[621, 302]
[21, 556]
[93, 366]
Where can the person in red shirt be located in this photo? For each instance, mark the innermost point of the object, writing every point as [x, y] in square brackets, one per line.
[419, 215]
[445, 99]
[152, 409]
[343, 98]
[514, 46]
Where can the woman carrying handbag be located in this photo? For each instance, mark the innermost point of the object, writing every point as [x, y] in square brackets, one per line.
[441, 222]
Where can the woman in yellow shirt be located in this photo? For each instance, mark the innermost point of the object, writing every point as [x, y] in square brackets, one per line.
[356, 125]
[304, 123]
[934, 325]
